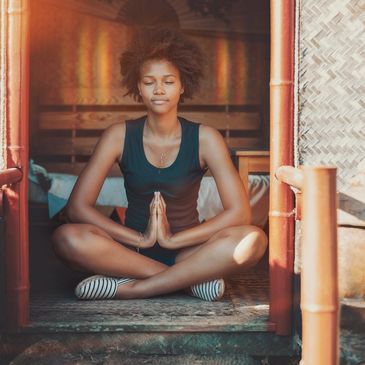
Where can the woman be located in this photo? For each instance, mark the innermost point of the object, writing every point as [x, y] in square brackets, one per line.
[162, 247]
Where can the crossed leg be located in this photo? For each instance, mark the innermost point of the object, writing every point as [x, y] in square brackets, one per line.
[88, 248]
[226, 252]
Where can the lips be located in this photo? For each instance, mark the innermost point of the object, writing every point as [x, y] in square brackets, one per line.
[159, 101]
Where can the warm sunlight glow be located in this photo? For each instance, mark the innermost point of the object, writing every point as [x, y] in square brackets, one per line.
[222, 71]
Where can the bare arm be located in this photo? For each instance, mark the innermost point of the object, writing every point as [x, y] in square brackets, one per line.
[237, 210]
[80, 206]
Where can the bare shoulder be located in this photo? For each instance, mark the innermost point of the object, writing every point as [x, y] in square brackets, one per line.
[113, 137]
[115, 131]
[210, 137]
[213, 150]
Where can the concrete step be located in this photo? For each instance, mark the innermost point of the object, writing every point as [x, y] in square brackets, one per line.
[50, 352]
[144, 348]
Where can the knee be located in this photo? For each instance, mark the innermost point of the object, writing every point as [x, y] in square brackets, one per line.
[248, 244]
[66, 241]
[258, 241]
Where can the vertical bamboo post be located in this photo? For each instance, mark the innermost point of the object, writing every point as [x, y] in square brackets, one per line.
[319, 301]
[15, 118]
[281, 224]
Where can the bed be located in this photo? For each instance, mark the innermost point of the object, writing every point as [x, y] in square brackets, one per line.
[54, 190]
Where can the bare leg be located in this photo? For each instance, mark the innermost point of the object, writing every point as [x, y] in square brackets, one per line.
[230, 250]
[88, 248]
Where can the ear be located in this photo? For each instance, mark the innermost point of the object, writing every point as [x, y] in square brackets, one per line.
[139, 87]
[182, 90]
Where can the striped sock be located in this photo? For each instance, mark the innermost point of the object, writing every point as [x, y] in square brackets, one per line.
[209, 290]
[99, 287]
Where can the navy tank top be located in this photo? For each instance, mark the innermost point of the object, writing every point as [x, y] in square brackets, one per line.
[178, 183]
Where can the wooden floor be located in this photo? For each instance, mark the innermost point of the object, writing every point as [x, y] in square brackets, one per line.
[169, 325]
[244, 307]
[54, 307]
[169, 329]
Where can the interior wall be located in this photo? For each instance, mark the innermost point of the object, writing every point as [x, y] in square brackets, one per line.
[74, 61]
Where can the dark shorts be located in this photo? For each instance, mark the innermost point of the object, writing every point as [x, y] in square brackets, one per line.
[161, 254]
[156, 252]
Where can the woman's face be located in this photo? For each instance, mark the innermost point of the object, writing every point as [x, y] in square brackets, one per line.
[160, 86]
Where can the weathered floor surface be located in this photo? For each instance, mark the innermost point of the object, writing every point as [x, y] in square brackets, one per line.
[170, 329]
[244, 307]
[174, 328]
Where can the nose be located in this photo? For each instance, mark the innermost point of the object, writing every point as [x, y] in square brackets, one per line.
[159, 89]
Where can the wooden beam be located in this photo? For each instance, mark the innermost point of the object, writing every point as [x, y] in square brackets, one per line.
[250, 162]
[101, 120]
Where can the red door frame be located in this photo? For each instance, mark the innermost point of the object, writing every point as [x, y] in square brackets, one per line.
[15, 14]
[281, 223]
[14, 121]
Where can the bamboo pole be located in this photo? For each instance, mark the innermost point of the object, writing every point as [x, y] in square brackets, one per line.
[10, 176]
[281, 224]
[15, 13]
[319, 286]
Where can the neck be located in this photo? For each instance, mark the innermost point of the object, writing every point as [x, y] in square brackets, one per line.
[163, 126]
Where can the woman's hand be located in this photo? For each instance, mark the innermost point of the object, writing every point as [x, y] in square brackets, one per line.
[150, 234]
[163, 227]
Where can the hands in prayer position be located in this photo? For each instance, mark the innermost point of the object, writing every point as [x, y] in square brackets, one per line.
[158, 228]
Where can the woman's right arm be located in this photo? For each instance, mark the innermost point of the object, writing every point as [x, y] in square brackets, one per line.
[80, 206]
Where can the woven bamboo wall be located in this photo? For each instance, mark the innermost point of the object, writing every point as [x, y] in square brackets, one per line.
[331, 126]
[331, 119]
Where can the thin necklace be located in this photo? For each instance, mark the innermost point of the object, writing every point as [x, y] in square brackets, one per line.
[163, 154]
[162, 158]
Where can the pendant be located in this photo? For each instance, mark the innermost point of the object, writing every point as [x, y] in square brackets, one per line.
[162, 159]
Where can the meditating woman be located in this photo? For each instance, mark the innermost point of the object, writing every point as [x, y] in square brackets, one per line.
[162, 247]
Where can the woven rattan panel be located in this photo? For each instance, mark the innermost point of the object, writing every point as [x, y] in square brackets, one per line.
[331, 123]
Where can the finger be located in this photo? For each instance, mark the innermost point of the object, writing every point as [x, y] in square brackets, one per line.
[152, 206]
[162, 199]
[154, 214]
[161, 207]
[159, 215]
[153, 199]
[155, 202]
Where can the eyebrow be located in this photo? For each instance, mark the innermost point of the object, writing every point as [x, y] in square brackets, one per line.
[169, 75]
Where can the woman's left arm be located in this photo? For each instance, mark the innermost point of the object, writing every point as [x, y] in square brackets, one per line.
[235, 200]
